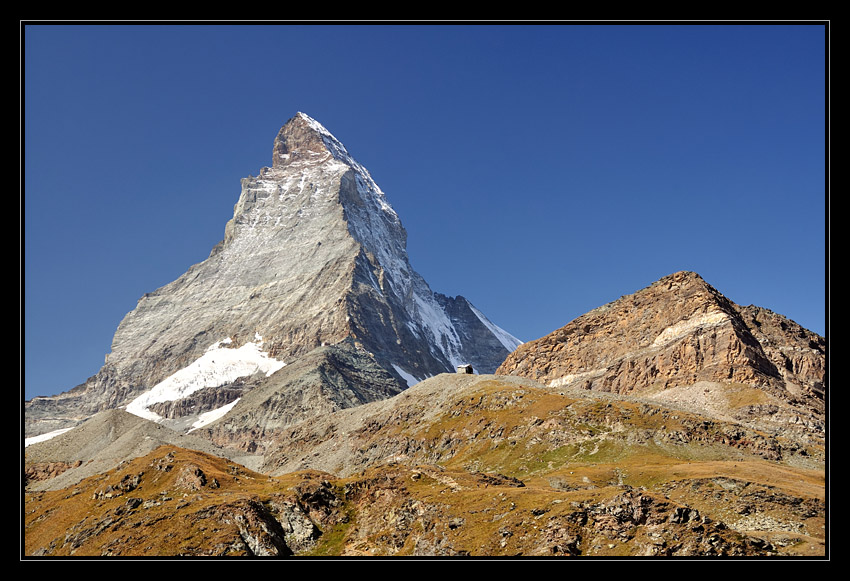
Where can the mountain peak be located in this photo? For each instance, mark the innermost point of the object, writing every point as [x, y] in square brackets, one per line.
[314, 255]
[300, 139]
[676, 333]
[303, 139]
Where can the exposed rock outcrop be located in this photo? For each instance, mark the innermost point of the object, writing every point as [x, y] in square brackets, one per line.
[165, 504]
[681, 337]
[323, 381]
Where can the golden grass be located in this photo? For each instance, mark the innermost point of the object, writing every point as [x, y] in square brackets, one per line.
[739, 396]
[604, 448]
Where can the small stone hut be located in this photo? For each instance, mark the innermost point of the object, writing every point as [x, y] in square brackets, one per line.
[465, 369]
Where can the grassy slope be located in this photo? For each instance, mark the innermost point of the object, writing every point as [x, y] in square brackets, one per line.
[593, 477]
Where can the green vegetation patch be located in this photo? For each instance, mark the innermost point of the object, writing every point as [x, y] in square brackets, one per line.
[332, 541]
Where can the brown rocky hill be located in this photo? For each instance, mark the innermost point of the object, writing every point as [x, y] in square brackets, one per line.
[459, 465]
[679, 339]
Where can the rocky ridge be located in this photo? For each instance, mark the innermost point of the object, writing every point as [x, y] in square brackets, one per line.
[681, 340]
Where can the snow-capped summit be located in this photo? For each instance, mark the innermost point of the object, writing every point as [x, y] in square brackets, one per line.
[314, 256]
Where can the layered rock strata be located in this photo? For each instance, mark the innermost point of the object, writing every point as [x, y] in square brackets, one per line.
[681, 333]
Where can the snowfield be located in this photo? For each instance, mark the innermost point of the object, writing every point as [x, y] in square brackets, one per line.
[218, 366]
[411, 381]
[509, 341]
[45, 437]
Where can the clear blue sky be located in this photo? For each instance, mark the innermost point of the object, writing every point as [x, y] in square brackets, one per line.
[540, 171]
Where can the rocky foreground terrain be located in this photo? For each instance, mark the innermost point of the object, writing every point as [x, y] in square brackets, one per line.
[457, 465]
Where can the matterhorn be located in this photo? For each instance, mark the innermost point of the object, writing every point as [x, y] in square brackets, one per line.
[308, 305]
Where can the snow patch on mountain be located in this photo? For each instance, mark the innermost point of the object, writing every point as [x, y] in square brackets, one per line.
[44, 437]
[219, 365]
[411, 381]
[211, 416]
[435, 321]
[509, 341]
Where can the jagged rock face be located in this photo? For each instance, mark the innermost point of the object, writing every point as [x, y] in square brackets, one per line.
[797, 353]
[314, 255]
[323, 381]
[680, 331]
